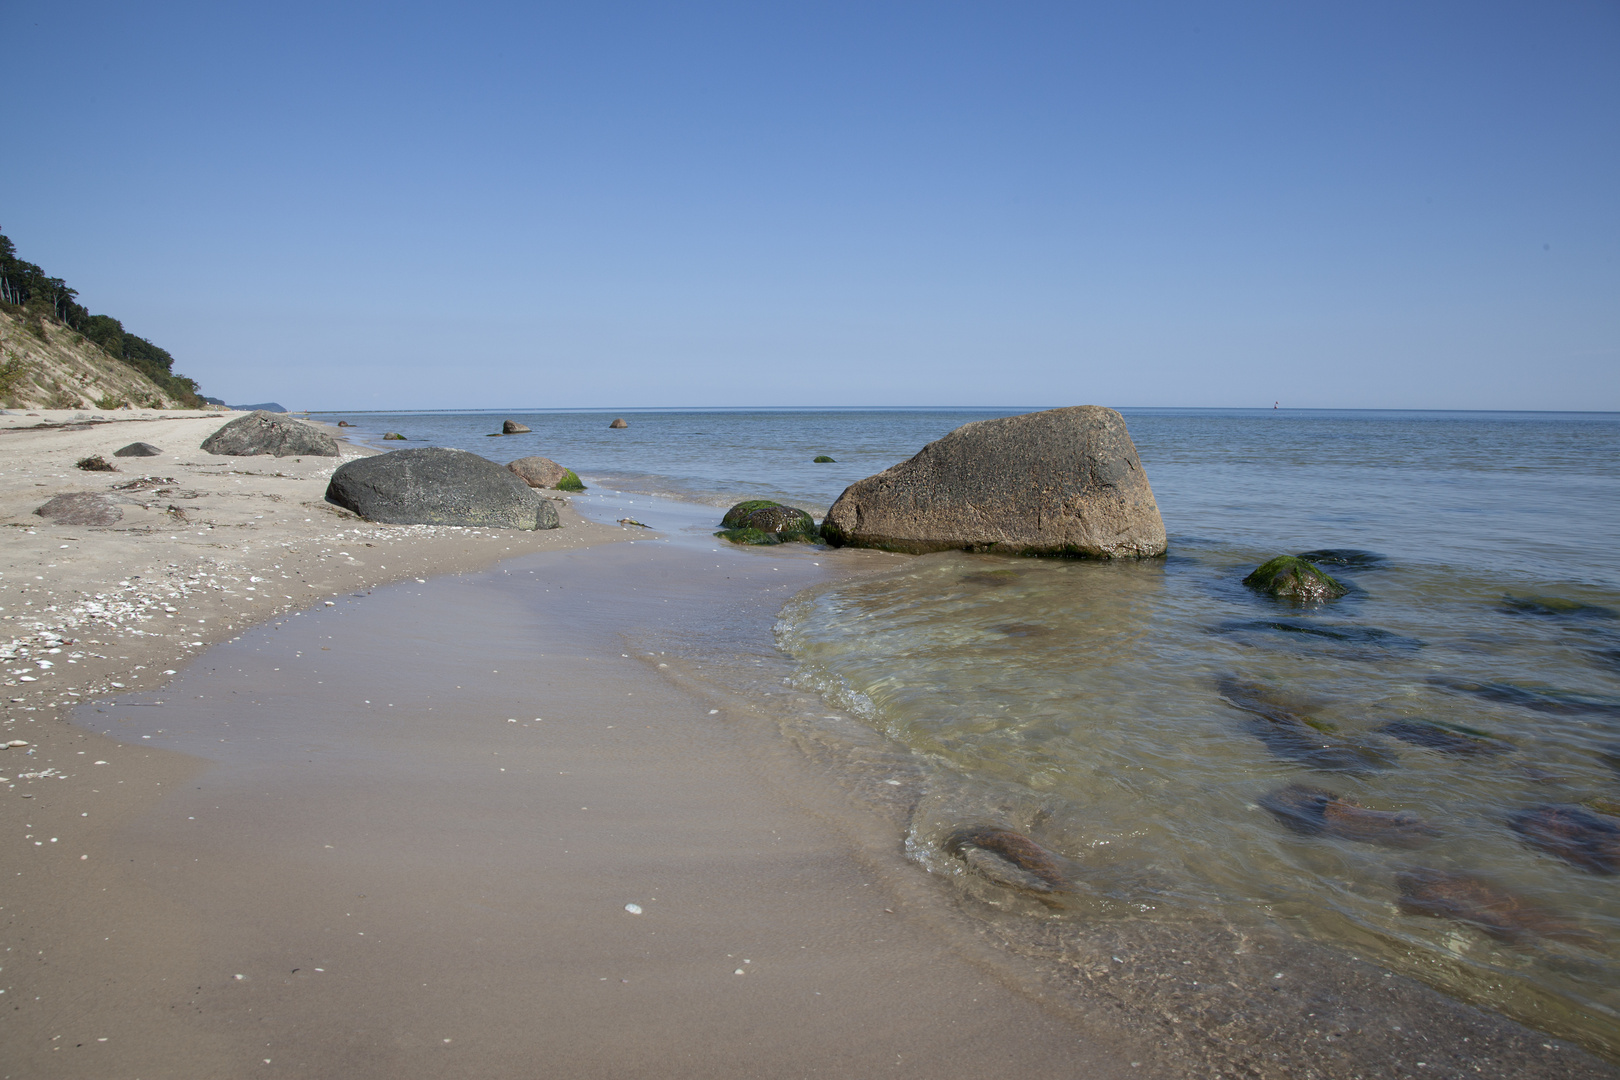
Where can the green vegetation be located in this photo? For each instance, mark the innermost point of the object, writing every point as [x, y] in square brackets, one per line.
[822, 459]
[13, 370]
[27, 291]
[111, 401]
[570, 482]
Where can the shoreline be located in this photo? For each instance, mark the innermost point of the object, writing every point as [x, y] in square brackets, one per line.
[158, 921]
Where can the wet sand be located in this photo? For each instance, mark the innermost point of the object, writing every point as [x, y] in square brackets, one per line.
[411, 855]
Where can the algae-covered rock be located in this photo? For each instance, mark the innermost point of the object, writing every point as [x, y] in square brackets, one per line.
[542, 472]
[761, 521]
[822, 459]
[393, 436]
[1292, 578]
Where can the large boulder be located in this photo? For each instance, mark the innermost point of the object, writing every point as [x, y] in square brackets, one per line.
[264, 432]
[1060, 482]
[512, 427]
[434, 486]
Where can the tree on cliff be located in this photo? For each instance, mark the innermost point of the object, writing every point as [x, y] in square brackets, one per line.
[29, 291]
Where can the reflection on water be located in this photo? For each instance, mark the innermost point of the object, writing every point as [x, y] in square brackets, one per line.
[1425, 771]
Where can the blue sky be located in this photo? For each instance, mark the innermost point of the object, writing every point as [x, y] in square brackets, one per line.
[621, 205]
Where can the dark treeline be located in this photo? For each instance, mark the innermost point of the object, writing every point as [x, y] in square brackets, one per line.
[27, 289]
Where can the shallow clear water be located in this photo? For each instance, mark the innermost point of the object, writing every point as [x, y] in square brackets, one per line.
[1144, 722]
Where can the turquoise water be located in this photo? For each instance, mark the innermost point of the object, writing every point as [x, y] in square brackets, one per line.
[1150, 724]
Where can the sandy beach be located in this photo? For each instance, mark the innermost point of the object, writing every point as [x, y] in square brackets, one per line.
[129, 957]
[304, 795]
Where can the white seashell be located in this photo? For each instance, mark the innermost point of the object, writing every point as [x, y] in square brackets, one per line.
[634, 909]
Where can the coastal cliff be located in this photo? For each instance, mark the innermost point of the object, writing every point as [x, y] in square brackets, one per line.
[47, 365]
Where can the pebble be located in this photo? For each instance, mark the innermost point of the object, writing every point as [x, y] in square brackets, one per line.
[634, 909]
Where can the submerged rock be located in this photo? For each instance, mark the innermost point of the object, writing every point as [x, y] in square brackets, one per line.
[1345, 558]
[618, 422]
[1009, 858]
[822, 459]
[1446, 738]
[393, 436]
[761, 521]
[1346, 640]
[1289, 733]
[433, 486]
[81, 508]
[512, 427]
[1537, 698]
[1579, 836]
[1060, 482]
[1292, 578]
[1444, 894]
[138, 449]
[264, 432]
[1554, 607]
[1312, 811]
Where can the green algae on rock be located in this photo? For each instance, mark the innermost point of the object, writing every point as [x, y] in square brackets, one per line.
[822, 459]
[570, 481]
[1293, 578]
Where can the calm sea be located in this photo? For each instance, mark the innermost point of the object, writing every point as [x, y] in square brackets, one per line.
[1426, 772]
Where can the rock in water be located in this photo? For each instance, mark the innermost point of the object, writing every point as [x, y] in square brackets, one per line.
[433, 486]
[1446, 738]
[618, 422]
[761, 521]
[1314, 812]
[538, 472]
[512, 427]
[81, 508]
[1575, 834]
[137, 449]
[393, 436]
[267, 433]
[1447, 895]
[1293, 578]
[1008, 858]
[1060, 482]
[1289, 733]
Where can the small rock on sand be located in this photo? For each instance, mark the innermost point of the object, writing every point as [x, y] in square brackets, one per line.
[81, 508]
[138, 449]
